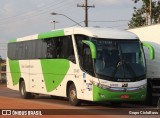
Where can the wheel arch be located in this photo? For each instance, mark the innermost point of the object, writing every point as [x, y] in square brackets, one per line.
[69, 83]
[20, 80]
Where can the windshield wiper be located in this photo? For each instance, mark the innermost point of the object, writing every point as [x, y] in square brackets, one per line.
[128, 66]
[115, 68]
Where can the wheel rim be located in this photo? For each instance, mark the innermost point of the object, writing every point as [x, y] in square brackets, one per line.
[72, 95]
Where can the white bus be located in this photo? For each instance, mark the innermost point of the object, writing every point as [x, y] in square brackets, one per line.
[151, 35]
[93, 64]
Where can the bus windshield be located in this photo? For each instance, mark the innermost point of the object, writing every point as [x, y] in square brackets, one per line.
[122, 60]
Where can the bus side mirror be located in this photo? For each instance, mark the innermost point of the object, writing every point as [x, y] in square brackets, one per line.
[92, 48]
[151, 50]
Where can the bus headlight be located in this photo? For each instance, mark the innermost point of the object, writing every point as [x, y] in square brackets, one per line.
[101, 86]
[105, 87]
[143, 87]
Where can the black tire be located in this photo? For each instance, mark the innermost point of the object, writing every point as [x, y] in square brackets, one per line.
[72, 95]
[23, 93]
[149, 99]
[52, 96]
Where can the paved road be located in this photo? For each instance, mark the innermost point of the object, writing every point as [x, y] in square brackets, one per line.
[10, 99]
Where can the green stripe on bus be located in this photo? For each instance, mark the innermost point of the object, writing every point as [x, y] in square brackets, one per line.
[54, 71]
[151, 50]
[15, 71]
[51, 34]
[13, 40]
[100, 94]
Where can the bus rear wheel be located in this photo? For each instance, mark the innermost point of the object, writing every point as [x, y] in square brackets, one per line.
[72, 95]
[24, 94]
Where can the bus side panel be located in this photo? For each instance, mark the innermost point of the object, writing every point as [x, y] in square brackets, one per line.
[88, 87]
[9, 77]
[24, 69]
[61, 89]
[82, 83]
[50, 76]
[13, 74]
[36, 80]
[47, 76]
[75, 75]
[54, 72]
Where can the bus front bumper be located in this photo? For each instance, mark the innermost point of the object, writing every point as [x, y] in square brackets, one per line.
[100, 94]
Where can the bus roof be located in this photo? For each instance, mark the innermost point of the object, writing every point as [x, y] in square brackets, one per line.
[105, 33]
[88, 31]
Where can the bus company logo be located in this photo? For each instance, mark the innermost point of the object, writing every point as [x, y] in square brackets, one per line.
[6, 112]
[124, 84]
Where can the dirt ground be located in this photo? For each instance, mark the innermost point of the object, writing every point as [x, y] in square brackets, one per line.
[12, 100]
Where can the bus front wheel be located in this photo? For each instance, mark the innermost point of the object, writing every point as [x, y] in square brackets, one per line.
[22, 89]
[72, 95]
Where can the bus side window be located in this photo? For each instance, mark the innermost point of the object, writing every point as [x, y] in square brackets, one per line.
[59, 47]
[67, 49]
[12, 51]
[23, 53]
[31, 49]
[19, 50]
[59, 42]
[51, 48]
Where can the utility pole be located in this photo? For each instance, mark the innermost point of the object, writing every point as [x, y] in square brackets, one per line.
[86, 6]
[54, 23]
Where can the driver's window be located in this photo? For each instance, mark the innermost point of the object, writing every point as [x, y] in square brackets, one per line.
[87, 60]
[84, 54]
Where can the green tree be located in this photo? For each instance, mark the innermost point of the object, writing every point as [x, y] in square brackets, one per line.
[156, 12]
[149, 12]
[137, 20]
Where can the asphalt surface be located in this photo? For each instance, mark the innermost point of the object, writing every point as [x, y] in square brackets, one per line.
[10, 99]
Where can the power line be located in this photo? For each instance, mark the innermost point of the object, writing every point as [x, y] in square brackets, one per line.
[76, 24]
[69, 7]
[30, 15]
[51, 4]
[38, 14]
[86, 6]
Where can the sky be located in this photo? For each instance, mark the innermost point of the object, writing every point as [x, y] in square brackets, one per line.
[19, 18]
